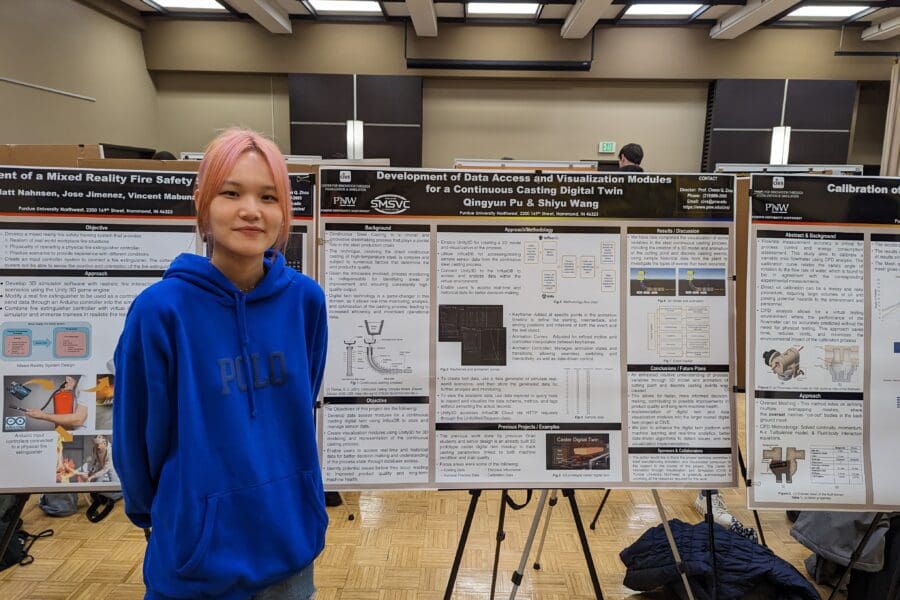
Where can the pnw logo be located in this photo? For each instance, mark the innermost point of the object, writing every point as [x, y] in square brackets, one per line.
[390, 204]
[780, 208]
[345, 201]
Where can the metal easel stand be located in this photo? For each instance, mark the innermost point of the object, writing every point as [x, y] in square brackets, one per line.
[748, 483]
[505, 500]
[856, 554]
[576, 515]
[599, 509]
[678, 564]
[461, 546]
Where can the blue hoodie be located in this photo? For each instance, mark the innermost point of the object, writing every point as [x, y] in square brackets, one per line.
[215, 442]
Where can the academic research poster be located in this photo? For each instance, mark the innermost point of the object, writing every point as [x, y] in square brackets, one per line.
[823, 404]
[76, 247]
[512, 329]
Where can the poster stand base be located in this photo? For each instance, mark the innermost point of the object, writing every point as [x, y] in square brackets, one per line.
[585, 547]
[14, 514]
[857, 552]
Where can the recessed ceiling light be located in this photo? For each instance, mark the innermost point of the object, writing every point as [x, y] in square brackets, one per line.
[345, 6]
[502, 8]
[830, 11]
[662, 10]
[190, 4]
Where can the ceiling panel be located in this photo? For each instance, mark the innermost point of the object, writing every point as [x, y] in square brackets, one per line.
[555, 11]
[396, 9]
[717, 12]
[293, 7]
[449, 9]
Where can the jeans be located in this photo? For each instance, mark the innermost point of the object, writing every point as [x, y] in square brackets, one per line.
[296, 587]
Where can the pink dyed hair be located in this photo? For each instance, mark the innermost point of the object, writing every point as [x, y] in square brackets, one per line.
[218, 160]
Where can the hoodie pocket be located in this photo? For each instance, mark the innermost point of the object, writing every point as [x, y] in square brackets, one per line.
[259, 533]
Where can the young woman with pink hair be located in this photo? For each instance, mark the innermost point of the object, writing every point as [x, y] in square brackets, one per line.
[217, 371]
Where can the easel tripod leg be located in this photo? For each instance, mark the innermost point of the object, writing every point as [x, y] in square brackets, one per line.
[501, 535]
[520, 572]
[460, 548]
[537, 559]
[595, 580]
[600, 509]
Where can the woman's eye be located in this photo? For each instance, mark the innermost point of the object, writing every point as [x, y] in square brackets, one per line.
[229, 193]
[270, 198]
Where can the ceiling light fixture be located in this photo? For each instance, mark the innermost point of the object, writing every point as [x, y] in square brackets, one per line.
[781, 145]
[503, 8]
[830, 11]
[662, 10]
[345, 6]
[190, 5]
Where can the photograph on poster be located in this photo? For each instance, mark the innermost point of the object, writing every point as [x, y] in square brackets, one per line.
[588, 451]
[652, 282]
[104, 392]
[85, 459]
[694, 281]
[45, 402]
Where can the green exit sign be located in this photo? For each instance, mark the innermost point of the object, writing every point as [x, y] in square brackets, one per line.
[607, 147]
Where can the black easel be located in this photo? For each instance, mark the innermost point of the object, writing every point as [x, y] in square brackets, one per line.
[463, 536]
[585, 548]
[600, 509]
[517, 577]
[710, 526]
[14, 514]
[856, 554]
[505, 500]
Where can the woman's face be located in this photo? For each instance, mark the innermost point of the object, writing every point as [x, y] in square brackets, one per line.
[70, 382]
[245, 217]
[101, 443]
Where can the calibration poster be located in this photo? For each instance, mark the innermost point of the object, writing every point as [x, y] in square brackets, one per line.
[505, 329]
[76, 247]
[824, 358]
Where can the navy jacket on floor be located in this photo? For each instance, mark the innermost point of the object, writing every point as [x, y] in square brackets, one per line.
[744, 567]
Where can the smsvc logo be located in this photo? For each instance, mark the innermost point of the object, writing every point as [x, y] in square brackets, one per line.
[345, 177]
[778, 183]
[390, 204]
[14, 424]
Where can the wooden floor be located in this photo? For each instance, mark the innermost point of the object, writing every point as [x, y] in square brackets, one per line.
[400, 546]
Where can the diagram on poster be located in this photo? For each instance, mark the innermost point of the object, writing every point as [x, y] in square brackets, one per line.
[46, 341]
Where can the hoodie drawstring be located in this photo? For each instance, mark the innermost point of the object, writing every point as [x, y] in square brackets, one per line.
[241, 301]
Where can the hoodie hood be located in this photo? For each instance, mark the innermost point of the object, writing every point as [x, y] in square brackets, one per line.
[199, 271]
